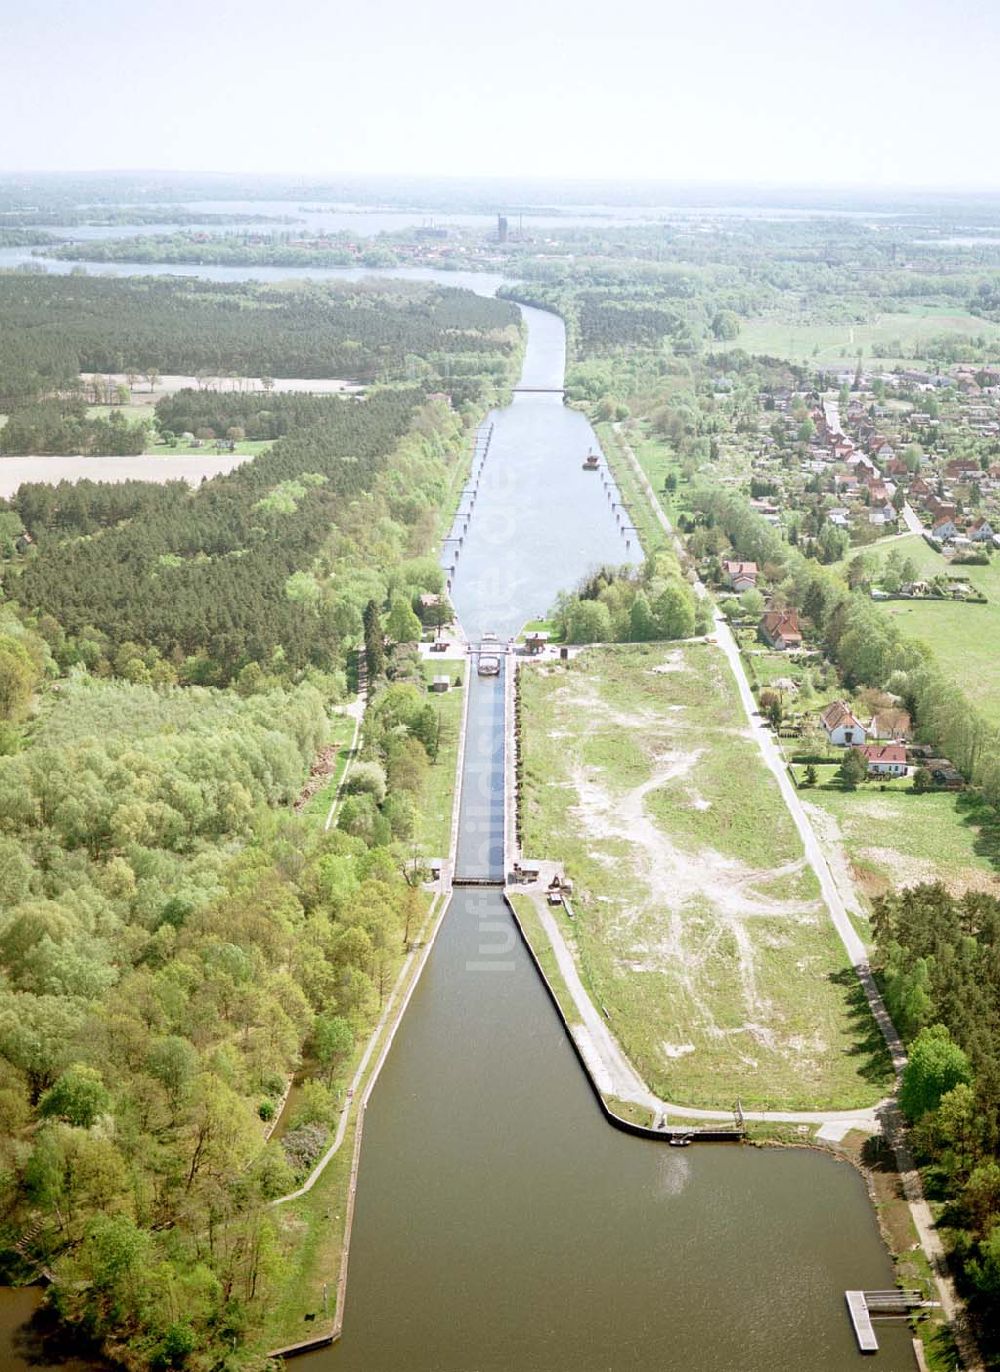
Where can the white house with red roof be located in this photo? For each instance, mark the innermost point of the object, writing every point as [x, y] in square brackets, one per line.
[742, 576]
[842, 727]
[884, 759]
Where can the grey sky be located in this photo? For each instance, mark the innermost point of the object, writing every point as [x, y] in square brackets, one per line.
[891, 92]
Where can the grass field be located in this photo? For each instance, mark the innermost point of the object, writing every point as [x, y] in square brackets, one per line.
[894, 837]
[799, 342]
[965, 639]
[139, 410]
[698, 924]
[433, 831]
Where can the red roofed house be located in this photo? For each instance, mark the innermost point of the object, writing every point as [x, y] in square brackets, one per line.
[742, 576]
[780, 629]
[843, 728]
[884, 759]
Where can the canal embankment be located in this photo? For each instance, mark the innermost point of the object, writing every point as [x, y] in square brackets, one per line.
[498, 1218]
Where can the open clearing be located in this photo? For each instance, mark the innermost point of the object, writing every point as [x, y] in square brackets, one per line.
[961, 637]
[805, 342]
[698, 925]
[895, 838]
[14, 471]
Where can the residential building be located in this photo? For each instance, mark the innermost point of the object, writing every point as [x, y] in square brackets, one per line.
[842, 727]
[884, 759]
[741, 576]
[780, 629]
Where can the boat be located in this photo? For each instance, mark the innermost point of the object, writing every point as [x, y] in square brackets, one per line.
[591, 462]
[489, 665]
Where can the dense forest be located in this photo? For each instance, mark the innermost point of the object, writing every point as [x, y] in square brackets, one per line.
[61, 425]
[271, 250]
[54, 327]
[174, 937]
[939, 959]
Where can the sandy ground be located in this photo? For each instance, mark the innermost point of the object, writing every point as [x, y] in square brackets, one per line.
[168, 385]
[697, 899]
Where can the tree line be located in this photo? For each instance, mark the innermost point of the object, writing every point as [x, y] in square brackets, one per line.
[54, 327]
[938, 956]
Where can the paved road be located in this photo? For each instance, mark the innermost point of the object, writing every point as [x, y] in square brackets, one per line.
[911, 520]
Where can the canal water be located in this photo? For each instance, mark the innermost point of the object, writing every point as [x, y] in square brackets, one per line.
[500, 1221]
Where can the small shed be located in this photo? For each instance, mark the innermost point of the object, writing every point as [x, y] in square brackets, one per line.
[440, 683]
[535, 642]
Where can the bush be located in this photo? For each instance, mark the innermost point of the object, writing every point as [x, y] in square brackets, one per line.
[303, 1147]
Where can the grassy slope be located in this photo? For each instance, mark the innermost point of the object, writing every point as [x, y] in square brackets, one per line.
[693, 939]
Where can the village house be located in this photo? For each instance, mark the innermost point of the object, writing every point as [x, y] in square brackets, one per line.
[893, 724]
[944, 530]
[780, 629]
[919, 487]
[962, 469]
[535, 642]
[980, 530]
[842, 728]
[742, 576]
[884, 759]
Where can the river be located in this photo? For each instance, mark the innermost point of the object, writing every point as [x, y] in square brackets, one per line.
[500, 1221]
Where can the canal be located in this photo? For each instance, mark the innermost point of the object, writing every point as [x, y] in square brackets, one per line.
[500, 1221]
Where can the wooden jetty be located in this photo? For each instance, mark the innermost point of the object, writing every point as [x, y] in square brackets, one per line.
[866, 1306]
